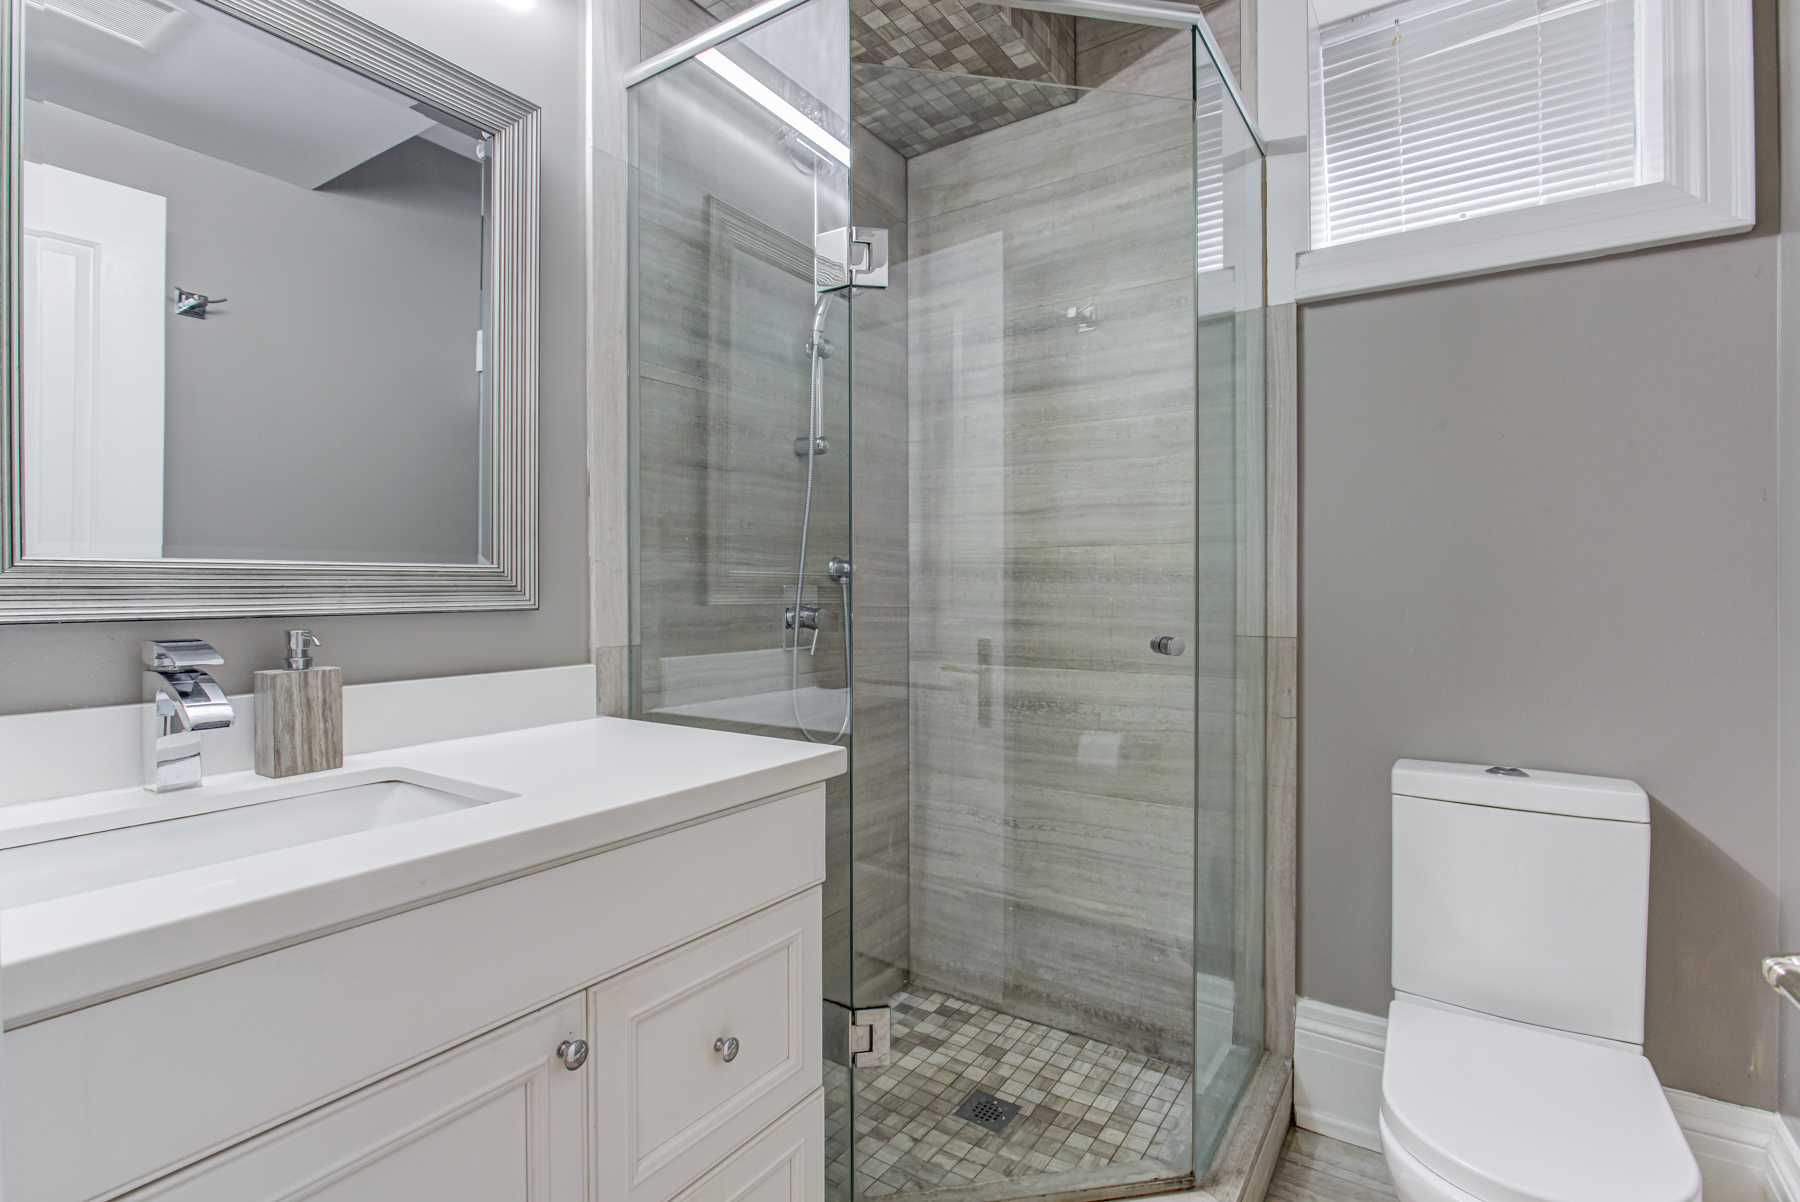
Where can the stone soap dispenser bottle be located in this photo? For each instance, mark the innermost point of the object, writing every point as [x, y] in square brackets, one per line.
[299, 714]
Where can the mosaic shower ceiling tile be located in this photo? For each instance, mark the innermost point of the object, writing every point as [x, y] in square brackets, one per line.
[994, 45]
[950, 35]
[969, 39]
[917, 111]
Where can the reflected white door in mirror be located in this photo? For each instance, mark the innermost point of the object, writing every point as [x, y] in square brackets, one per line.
[93, 339]
[277, 287]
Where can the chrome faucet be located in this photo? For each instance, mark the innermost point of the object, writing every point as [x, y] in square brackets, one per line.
[187, 701]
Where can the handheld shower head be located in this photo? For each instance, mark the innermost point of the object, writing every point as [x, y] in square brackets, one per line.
[818, 346]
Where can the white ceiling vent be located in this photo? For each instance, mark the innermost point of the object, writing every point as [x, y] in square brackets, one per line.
[152, 25]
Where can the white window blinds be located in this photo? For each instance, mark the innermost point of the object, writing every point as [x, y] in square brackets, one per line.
[1209, 170]
[1431, 111]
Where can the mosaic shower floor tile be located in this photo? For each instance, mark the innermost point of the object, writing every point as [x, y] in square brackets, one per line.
[1083, 1104]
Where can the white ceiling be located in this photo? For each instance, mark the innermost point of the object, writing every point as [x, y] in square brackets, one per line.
[223, 88]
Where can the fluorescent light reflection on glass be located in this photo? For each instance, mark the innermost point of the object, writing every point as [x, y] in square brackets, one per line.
[748, 84]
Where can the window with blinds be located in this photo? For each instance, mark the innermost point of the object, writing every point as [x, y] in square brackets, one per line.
[1430, 111]
[1209, 171]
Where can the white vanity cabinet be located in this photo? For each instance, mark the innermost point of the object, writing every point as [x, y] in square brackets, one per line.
[417, 1055]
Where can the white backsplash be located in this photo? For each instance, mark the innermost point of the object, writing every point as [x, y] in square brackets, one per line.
[63, 752]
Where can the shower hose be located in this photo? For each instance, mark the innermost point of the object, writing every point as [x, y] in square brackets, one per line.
[817, 348]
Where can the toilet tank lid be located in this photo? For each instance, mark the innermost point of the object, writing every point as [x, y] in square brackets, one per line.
[1538, 790]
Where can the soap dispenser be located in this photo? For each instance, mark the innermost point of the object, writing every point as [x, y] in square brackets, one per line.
[299, 713]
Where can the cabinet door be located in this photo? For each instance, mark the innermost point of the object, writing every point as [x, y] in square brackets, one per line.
[701, 1048]
[498, 1119]
[786, 1163]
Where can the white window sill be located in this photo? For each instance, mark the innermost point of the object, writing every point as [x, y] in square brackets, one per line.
[1605, 223]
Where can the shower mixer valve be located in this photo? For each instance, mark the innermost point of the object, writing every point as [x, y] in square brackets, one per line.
[797, 618]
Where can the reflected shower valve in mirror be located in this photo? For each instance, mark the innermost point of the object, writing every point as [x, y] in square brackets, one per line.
[193, 304]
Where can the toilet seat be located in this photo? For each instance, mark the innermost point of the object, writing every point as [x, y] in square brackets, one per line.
[1507, 1113]
[1412, 1181]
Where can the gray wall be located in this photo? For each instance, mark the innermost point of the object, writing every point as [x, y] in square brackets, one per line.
[1538, 528]
[540, 55]
[332, 403]
[1788, 519]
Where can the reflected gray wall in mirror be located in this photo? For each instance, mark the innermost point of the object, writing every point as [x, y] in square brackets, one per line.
[350, 429]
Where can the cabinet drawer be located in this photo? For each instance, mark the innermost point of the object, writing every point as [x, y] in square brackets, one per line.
[786, 1163]
[496, 1120]
[668, 1103]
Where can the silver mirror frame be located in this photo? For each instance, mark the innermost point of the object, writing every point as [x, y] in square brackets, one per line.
[36, 589]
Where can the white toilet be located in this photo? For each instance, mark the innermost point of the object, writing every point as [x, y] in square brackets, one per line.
[1515, 1068]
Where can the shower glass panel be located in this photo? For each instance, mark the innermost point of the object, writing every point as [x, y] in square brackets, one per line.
[947, 447]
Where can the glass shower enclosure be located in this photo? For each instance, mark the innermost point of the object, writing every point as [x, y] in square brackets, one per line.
[947, 421]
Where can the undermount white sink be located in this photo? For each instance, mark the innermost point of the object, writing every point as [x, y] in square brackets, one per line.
[62, 867]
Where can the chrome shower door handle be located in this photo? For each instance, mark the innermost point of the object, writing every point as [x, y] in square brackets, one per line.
[1168, 644]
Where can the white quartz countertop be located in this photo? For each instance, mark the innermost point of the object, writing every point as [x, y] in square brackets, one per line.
[580, 787]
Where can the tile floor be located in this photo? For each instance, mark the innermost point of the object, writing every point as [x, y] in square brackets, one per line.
[1316, 1169]
[1086, 1104]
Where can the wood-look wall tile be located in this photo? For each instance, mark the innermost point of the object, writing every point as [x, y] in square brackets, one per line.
[1283, 479]
[1088, 137]
[1281, 824]
[1054, 513]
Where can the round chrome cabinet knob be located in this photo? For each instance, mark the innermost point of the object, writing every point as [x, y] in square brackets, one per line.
[573, 1053]
[727, 1047]
[1168, 644]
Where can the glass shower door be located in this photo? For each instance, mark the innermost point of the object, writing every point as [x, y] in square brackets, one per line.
[1057, 874]
[993, 525]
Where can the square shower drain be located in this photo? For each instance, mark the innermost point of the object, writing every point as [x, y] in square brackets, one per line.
[985, 1110]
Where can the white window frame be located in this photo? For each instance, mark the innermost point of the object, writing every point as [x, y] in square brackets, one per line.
[1698, 147]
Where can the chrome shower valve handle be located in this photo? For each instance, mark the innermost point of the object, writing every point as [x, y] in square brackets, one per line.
[807, 618]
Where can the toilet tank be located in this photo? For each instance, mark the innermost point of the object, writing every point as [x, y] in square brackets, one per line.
[1523, 896]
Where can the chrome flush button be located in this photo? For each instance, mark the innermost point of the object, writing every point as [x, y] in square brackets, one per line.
[1508, 772]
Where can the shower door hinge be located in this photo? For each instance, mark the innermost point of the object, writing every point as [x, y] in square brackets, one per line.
[869, 1037]
[857, 1038]
[856, 255]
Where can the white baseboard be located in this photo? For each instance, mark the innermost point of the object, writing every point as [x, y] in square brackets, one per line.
[1735, 1146]
[1745, 1155]
[1337, 1072]
[1784, 1163]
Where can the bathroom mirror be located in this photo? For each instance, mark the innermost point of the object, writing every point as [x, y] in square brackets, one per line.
[272, 317]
